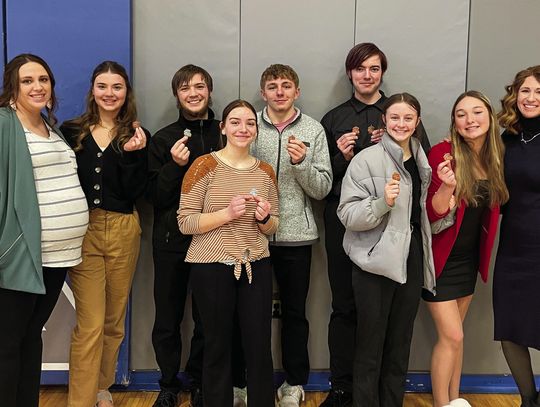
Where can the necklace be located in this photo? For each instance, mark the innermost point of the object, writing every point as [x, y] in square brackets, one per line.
[529, 140]
[109, 129]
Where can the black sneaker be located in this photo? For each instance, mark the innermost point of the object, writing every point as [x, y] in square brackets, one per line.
[337, 398]
[166, 398]
[196, 397]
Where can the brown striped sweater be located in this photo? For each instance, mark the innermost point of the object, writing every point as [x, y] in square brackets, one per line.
[208, 186]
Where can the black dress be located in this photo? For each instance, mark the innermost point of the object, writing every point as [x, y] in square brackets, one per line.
[516, 281]
[458, 277]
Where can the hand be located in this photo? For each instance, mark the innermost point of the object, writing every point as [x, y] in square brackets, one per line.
[137, 141]
[263, 207]
[297, 150]
[346, 144]
[446, 174]
[376, 136]
[237, 206]
[391, 192]
[180, 152]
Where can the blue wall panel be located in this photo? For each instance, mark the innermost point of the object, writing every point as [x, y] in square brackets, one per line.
[2, 62]
[73, 36]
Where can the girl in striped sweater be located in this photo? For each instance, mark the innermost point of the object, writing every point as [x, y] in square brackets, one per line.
[229, 203]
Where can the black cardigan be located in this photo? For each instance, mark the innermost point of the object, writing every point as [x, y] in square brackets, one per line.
[111, 179]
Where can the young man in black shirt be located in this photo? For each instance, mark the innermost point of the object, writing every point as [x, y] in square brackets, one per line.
[171, 152]
[350, 127]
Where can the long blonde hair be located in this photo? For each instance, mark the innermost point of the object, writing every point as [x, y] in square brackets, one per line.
[489, 159]
[509, 115]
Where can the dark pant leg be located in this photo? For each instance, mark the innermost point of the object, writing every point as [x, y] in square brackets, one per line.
[238, 361]
[16, 309]
[373, 296]
[342, 326]
[171, 276]
[254, 308]
[400, 328]
[32, 346]
[215, 290]
[292, 266]
[195, 361]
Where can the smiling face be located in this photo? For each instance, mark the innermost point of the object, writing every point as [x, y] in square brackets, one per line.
[472, 120]
[109, 91]
[279, 95]
[367, 78]
[401, 120]
[34, 88]
[240, 127]
[528, 98]
[193, 98]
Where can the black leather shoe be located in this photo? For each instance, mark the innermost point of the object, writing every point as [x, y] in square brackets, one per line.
[337, 398]
[166, 398]
[196, 397]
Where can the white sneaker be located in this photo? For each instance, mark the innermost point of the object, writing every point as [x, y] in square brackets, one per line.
[460, 403]
[290, 396]
[240, 396]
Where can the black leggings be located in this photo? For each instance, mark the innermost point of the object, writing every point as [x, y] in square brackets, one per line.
[22, 317]
[219, 295]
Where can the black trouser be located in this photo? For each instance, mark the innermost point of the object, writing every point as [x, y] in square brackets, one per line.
[292, 266]
[386, 311]
[171, 277]
[22, 317]
[219, 296]
[342, 326]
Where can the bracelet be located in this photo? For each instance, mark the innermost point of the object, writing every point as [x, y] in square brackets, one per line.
[264, 221]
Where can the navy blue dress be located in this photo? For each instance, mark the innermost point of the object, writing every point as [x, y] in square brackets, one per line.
[516, 281]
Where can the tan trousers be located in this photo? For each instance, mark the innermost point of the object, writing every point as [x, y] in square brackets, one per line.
[101, 286]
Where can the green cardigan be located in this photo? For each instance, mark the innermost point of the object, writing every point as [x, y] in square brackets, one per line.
[20, 222]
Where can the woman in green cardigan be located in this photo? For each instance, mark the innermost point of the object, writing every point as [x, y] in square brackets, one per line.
[43, 218]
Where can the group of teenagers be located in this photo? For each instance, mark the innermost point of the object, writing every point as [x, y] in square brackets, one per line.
[232, 208]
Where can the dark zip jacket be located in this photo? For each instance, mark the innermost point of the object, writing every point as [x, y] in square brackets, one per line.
[165, 176]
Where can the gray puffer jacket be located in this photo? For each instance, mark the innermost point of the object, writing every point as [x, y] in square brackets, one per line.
[297, 184]
[377, 236]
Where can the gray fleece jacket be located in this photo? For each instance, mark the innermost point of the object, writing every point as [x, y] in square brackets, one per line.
[297, 184]
[377, 236]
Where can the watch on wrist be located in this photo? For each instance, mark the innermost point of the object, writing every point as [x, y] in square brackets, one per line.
[264, 221]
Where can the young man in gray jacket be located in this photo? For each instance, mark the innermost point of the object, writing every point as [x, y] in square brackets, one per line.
[295, 145]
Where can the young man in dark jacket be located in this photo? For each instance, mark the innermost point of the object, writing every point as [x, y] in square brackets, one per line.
[350, 127]
[171, 152]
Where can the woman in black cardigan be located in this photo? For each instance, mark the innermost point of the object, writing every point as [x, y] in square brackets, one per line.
[111, 155]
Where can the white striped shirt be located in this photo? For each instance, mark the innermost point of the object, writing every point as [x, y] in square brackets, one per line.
[62, 204]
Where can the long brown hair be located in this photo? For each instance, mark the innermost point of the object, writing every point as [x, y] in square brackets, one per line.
[490, 159]
[10, 88]
[509, 115]
[123, 130]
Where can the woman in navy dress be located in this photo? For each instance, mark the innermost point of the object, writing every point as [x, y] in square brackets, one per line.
[516, 283]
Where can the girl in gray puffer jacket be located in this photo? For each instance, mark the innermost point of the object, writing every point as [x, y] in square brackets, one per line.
[388, 238]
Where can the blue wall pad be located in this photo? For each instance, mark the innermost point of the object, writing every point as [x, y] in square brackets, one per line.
[73, 37]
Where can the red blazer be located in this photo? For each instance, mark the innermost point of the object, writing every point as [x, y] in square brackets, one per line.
[443, 242]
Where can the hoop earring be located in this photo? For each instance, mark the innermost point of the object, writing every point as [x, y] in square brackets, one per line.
[12, 104]
[49, 104]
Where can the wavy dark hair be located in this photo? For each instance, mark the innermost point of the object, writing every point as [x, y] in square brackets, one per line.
[490, 158]
[10, 89]
[123, 130]
[509, 115]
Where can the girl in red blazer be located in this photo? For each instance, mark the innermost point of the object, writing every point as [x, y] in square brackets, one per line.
[463, 202]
